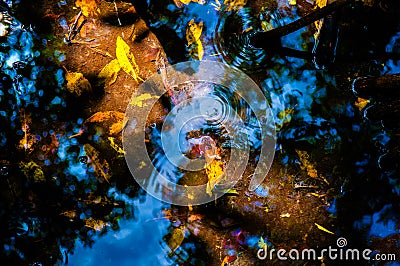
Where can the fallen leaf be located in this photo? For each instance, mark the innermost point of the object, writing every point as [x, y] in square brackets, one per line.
[179, 3]
[175, 238]
[126, 59]
[109, 73]
[234, 5]
[318, 23]
[101, 167]
[77, 84]
[195, 217]
[95, 224]
[116, 147]
[193, 31]
[323, 229]
[215, 172]
[104, 116]
[138, 101]
[32, 172]
[285, 215]
[361, 103]
[29, 139]
[88, 7]
[292, 2]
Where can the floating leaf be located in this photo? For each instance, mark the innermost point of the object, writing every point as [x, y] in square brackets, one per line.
[32, 172]
[116, 147]
[361, 103]
[175, 238]
[138, 101]
[101, 167]
[109, 73]
[231, 191]
[292, 2]
[126, 59]
[88, 7]
[193, 31]
[179, 3]
[215, 172]
[323, 229]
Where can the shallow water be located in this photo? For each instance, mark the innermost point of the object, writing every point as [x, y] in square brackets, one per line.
[313, 110]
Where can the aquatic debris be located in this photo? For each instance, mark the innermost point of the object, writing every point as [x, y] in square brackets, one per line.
[285, 215]
[29, 139]
[193, 33]
[32, 171]
[101, 167]
[323, 229]
[175, 238]
[5, 22]
[88, 7]
[215, 173]
[114, 121]
[180, 3]
[126, 59]
[234, 5]
[109, 73]
[77, 84]
[304, 158]
[361, 103]
[138, 101]
[96, 224]
[116, 147]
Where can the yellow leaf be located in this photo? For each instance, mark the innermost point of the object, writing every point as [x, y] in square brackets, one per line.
[175, 238]
[215, 172]
[234, 4]
[323, 229]
[110, 72]
[126, 59]
[361, 103]
[104, 116]
[77, 84]
[115, 146]
[200, 50]
[138, 101]
[320, 3]
[306, 164]
[292, 2]
[88, 7]
[193, 31]
[95, 224]
[285, 215]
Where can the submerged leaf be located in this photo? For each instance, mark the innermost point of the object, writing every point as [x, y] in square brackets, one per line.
[306, 164]
[215, 172]
[109, 73]
[232, 5]
[88, 7]
[324, 229]
[77, 84]
[193, 33]
[95, 224]
[104, 116]
[116, 147]
[175, 238]
[32, 172]
[126, 59]
[361, 103]
[138, 101]
[101, 167]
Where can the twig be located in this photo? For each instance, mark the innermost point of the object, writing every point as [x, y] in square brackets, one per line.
[263, 39]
